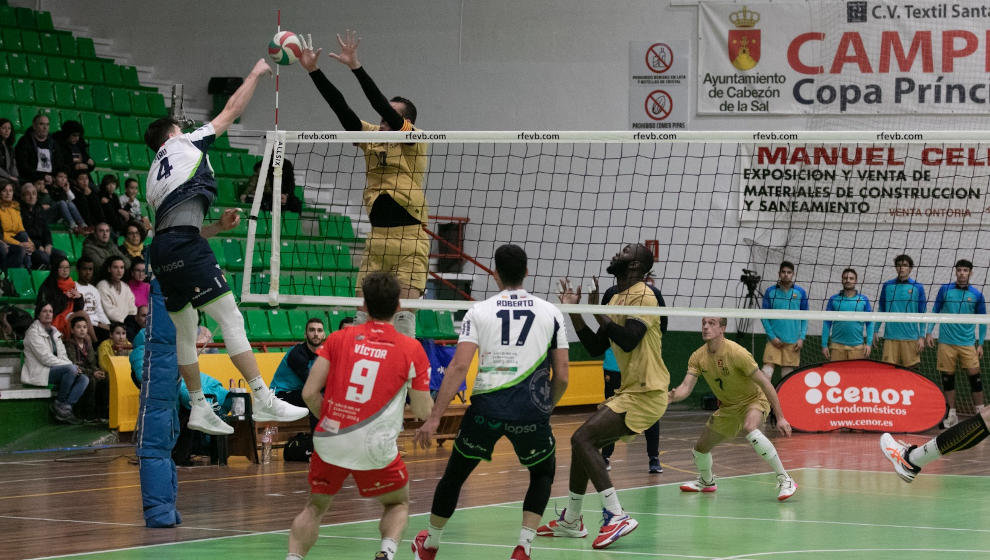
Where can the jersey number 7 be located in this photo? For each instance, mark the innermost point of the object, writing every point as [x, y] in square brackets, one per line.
[517, 314]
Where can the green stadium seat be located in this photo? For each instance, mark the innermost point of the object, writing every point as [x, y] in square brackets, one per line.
[27, 113]
[7, 90]
[261, 257]
[111, 75]
[257, 324]
[216, 245]
[121, 99]
[85, 47]
[44, 93]
[45, 21]
[69, 115]
[120, 157]
[297, 321]
[281, 329]
[247, 163]
[337, 227]
[62, 240]
[75, 70]
[7, 16]
[99, 150]
[30, 41]
[102, 100]
[129, 131]
[54, 117]
[10, 39]
[26, 18]
[9, 111]
[57, 69]
[156, 105]
[233, 253]
[342, 259]
[222, 142]
[445, 325]
[426, 324]
[92, 124]
[37, 66]
[17, 64]
[84, 98]
[226, 191]
[129, 77]
[139, 156]
[67, 45]
[110, 124]
[37, 277]
[94, 72]
[21, 279]
[49, 44]
[4, 65]
[290, 225]
[232, 164]
[23, 91]
[139, 103]
[336, 316]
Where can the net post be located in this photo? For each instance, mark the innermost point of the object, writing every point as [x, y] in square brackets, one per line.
[277, 158]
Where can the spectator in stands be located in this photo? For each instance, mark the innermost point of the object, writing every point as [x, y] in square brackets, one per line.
[36, 152]
[135, 323]
[133, 245]
[46, 363]
[59, 291]
[289, 378]
[99, 247]
[93, 304]
[87, 199]
[63, 201]
[116, 345]
[129, 203]
[116, 216]
[116, 295]
[35, 222]
[136, 279]
[8, 167]
[73, 149]
[290, 202]
[95, 402]
[13, 231]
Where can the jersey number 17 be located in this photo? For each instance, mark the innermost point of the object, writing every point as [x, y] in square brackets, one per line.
[526, 314]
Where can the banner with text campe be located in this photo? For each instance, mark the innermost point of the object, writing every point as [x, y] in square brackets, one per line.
[860, 395]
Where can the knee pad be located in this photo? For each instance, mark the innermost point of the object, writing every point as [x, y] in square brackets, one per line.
[540, 480]
[186, 322]
[976, 383]
[948, 382]
[405, 323]
[224, 311]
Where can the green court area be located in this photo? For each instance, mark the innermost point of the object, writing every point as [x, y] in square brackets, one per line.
[836, 515]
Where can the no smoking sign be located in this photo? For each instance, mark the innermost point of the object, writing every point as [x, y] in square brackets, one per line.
[658, 105]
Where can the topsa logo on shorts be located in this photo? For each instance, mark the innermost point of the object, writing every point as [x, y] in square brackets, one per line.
[517, 429]
[174, 265]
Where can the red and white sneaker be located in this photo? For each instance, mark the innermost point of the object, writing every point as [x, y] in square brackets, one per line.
[519, 553]
[420, 552]
[699, 485]
[560, 528]
[787, 487]
[613, 528]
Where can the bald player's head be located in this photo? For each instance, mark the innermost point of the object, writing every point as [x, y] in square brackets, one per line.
[633, 259]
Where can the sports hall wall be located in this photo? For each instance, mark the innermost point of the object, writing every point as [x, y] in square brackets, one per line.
[529, 65]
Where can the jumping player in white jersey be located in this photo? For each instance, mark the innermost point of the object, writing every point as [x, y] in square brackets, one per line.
[181, 188]
[519, 338]
[366, 370]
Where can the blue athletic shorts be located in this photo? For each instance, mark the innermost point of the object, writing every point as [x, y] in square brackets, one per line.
[186, 268]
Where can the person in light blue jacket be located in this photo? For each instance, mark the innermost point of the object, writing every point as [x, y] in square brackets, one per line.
[903, 341]
[844, 340]
[959, 345]
[785, 337]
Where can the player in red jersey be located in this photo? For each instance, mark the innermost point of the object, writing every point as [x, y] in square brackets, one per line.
[366, 370]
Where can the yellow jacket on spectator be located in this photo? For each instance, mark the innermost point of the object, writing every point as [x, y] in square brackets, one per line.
[106, 351]
[10, 221]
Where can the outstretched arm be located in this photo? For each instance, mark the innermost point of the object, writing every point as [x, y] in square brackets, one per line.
[238, 102]
[309, 60]
[348, 57]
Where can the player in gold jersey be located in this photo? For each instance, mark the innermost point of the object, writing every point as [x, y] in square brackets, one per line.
[640, 401]
[393, 194]
[745, 396]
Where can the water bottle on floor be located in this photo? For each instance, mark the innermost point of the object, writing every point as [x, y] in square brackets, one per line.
[267, 437]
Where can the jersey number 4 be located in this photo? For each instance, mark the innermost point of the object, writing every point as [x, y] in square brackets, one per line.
[517, 314]
[362, 381]
[164, 169]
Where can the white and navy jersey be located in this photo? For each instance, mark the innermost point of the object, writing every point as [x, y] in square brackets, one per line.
[182, 170]
[515, 332]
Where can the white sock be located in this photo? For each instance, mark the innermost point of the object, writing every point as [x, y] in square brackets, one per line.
[766, 450]
[704, 463]
[196, 398]
[610, 501]
[293, 556]
[768, 369]
[259, 389]
[526, 536]
[921, 456]
[573, 511]
[433, 537]
[389, 546]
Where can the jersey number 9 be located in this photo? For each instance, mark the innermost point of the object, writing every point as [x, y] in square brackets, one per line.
[362, 381]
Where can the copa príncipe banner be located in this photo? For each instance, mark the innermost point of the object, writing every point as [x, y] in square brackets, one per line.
[844, 58]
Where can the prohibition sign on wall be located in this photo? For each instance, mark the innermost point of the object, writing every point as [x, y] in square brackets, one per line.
[658, 105]
[659, 58]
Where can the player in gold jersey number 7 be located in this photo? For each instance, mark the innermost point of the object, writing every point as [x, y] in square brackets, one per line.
[745, 395]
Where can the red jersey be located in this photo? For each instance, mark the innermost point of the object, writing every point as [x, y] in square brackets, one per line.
[371, 367]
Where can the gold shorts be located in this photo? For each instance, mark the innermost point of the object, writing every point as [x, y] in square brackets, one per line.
[902, 353]
[642, 409]
[786, 356]
[727, 421]
[846, 352]
[950, 355]
[404, 251]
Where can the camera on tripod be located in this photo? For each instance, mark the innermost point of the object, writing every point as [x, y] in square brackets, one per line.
[750, 279]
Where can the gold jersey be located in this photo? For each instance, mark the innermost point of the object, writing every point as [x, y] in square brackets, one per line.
[397, 170]
[728, 371]
[643, 368]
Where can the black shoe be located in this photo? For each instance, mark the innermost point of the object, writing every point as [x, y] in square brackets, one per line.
[381, 555]
[655, 467]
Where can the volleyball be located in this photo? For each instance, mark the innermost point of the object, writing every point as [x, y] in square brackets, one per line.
[285, 48]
